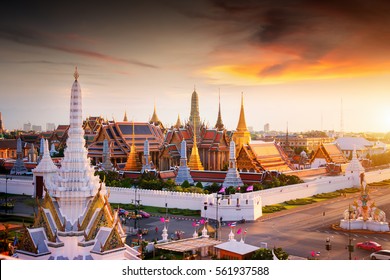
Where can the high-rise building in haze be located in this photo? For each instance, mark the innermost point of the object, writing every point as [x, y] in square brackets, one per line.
[27, 126]
[266, 127]
[36, 128]
[50, 126]
[1, 124]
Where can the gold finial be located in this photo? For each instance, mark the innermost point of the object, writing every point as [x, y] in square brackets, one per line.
[76, 74]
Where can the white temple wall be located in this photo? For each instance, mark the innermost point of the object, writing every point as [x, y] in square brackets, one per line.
[17, 186]
[249, 203]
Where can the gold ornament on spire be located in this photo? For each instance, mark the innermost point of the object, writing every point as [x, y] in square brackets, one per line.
[76, 74]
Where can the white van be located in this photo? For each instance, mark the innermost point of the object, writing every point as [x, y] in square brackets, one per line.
[381, 255]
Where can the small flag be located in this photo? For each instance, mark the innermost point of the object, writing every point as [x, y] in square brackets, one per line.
[193, 224]
[239, 231]
[222, 190]
[197, 224]
[202, 222]
[232, 225]
[246, 231]
[249, 189]
[162, 219]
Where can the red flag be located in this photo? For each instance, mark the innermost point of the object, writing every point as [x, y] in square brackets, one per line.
[193, 224]
[239, 231]
[202, 221]
[162, 219]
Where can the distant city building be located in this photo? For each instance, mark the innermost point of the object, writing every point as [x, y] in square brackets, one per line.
[1, 125]
[27, 126]
[50, 126]
[347, 145]
[266, 128]
[250, 128]
[36, 128]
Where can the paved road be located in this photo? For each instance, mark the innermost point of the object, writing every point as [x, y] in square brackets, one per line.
[298, 231]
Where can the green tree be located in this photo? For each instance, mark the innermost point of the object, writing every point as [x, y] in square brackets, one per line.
[185, 184]
[262, 254]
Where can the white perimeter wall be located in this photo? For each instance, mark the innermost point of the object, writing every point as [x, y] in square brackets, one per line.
[248, 206]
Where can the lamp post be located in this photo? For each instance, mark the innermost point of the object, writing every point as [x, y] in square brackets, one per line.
[217, 218]
[328, 246]
[136, 206]
[349, 246]
[6, 191]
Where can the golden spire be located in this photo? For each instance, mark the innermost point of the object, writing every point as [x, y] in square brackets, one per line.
[219, 125]
[195, 163]
[76, 74]
[133, 163]
[178, 122]
[154, 118]
[241, 122]
[125, 117]
[241, 136]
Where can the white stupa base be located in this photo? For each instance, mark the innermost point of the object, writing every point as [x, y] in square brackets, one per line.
[367, 225]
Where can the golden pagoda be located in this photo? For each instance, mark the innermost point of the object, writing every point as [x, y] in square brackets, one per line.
[242, 135]
[195, 163]
[178, 122]
[219, 125]
[133, 163]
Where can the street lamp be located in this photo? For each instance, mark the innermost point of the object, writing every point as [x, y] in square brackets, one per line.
[136, 206]
[217, 218]
[328, 246]
[349, 246]
[6, 191]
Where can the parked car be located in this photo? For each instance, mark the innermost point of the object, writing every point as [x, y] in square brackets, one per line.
[381, 255]
[144, 214]
[369, 245]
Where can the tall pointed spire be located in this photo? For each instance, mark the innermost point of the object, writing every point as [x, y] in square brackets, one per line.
[195, 162]
[125, 117]
[178, 122]
[133, 163]
[194, 115]
[146, 164]
[241, 136]
[155, 118]
[241, 126]
[232, 176]
[219, 125]
[76, 183]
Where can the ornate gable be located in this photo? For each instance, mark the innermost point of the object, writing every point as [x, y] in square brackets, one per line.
[114, 241]
[26, 243]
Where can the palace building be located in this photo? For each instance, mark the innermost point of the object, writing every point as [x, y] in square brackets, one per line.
[122, 136]
[212, 144]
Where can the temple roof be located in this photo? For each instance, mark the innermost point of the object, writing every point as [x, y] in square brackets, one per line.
[265, 156]
[237, 247]
[120, 137]
[330, 152]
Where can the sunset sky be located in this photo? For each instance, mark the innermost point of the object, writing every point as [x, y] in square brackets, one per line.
[293, 60]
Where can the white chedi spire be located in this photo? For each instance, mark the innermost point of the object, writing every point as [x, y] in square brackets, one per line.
[146, 164]
[354, 168]
[75, 183]
[232, 176]
[183, 173]
[46, 164]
